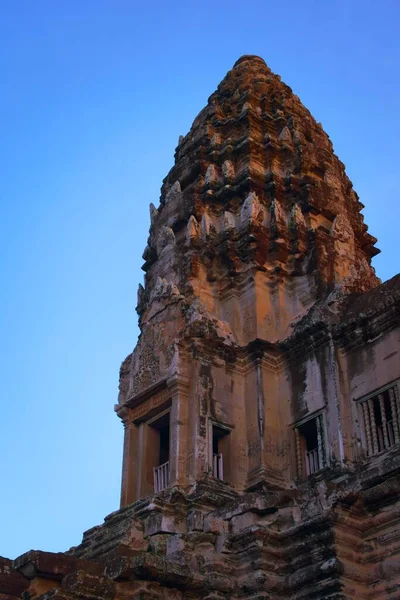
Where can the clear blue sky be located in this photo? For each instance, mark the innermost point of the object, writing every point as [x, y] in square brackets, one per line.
[93, 98]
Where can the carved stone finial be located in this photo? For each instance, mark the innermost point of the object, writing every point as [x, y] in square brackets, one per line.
[278, 216]
[285, 136]
[250, 210]
[246, 107]
[192, 229]
[174, 191]
[205, 225]
[153, 213]
[297, 138]
[296, 217]
[165, 240]
[228, 170]
[141, 298]
[211, 175]
[228, 221]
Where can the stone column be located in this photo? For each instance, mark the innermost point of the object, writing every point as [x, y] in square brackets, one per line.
[259, 471]
[178, 449]
[200, 421]
[130, 463]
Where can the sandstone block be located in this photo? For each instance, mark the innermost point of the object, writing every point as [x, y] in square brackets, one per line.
[242, 521]
[174, 544]
[195, 521]
[214, 524]
[11, 582]
[97, 587]
[158, 543]
[158, 523]
[52, 565]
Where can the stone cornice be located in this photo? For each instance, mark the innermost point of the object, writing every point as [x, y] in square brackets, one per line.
[366, 328]
[149, 391]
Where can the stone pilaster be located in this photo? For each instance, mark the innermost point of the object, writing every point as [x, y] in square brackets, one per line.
[131, 463]
[178, 430]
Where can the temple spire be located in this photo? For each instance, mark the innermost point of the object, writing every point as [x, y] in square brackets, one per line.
[280, 224]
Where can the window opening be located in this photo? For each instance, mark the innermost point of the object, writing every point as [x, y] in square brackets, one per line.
[164, 444]
[219, 449]
[381, 420]
[161, 471]
[310, 447]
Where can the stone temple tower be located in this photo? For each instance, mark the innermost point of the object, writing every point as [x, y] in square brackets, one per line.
[261, 405]
[257, 226]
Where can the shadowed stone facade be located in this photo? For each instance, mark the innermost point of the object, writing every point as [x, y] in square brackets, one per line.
[261, 404]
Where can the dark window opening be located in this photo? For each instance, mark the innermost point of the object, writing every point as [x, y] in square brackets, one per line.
[219, 451]
[162, 426]
[164, 445]
[215, 442]
[310, 435]
[161, 471]
[310, 449]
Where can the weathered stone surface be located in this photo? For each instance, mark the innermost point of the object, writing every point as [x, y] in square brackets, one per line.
[84, 584]
[12, 583]
[261, 405]
[196, 521]
[36, 563]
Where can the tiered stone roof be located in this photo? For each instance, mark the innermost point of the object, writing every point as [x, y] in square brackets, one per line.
[257, 211]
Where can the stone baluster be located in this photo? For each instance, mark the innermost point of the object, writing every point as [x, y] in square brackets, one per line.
[384, 420]
[395, 413]
[299, 458]
[321, 458]
[396, 390]
[375, 446]
[367, 427]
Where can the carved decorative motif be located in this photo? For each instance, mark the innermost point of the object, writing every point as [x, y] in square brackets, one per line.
[140, 411]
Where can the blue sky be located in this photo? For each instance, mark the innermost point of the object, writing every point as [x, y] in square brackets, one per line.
[94, 96]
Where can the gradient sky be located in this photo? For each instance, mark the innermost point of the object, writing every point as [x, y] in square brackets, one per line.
[93, 98]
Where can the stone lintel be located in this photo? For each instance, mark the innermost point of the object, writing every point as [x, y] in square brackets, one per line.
[151, 390]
